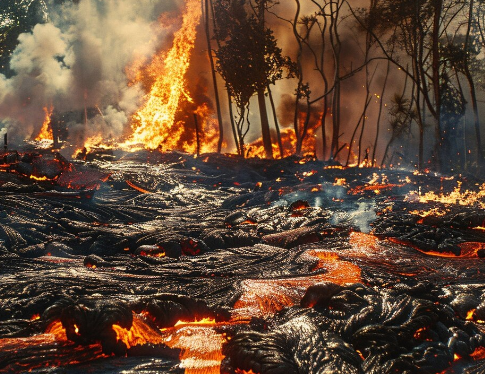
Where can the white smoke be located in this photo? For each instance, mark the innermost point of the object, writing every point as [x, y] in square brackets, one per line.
[79, 60]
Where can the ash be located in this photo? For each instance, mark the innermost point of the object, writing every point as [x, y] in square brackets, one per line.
[301, 267]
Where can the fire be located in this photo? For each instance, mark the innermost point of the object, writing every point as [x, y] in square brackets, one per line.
[456, 197]
[95, 141]
[288, 139]
[46, 130]
[154, 124]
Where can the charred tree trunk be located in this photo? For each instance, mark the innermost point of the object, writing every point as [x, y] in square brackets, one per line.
[197, 136]
[440, 141]
[233, 125]
[267, 144]
[473, 93]
[214, 77]
[277, 126]
[378, 124]
[336, 47]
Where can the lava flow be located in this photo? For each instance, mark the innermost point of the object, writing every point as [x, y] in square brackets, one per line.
[264, 261]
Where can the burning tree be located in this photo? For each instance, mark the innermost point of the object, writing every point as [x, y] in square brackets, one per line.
[249, 60]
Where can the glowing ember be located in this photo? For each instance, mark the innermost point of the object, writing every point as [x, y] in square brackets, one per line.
[203, 321]
[340, 182]
[153, 125]
[39, 178]
[478, 354]
[469, 315]
[135, 187]
[46, 130]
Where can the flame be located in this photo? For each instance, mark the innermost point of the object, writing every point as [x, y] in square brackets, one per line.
[469, 315]
[46, 130]
[456, 197]
[288, 139]
[154, 124]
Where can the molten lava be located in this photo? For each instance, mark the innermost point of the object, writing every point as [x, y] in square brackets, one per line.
[154, 124]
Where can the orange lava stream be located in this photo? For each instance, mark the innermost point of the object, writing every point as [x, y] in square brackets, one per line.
[266, 297]
[201, 346]
[153, 124]
[46, 130]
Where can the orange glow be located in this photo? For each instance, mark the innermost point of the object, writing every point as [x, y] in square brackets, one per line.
[469, 315]
[46, 130]
[154, 123]
[139, 334]
[135, 187]
[265, 297]
[39, 178]
[456, 357]
[35, 317]
[420, 334]
[478, 354]
[56, 329]
[435, 212]
[201, 347]
[340, 182]
[203, 321]
[457, 197]
[240, 371]
[288, 140]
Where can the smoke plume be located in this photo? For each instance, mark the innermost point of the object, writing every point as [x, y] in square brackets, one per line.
[79, 60]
